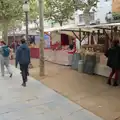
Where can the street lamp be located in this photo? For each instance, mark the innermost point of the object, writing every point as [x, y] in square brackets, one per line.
[26, 10]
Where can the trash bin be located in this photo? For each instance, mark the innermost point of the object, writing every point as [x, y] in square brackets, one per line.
[70, 57]
[76, 58]
[80, 65]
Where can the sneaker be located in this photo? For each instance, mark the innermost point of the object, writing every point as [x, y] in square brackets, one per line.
[24, 84]
[10, 75]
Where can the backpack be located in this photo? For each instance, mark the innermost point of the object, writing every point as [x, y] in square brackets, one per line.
[5, 51]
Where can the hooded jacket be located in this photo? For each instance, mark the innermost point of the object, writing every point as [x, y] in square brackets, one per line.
[23, 55]
[113, 55]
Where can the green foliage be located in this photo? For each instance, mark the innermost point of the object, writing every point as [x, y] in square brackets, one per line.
[116, 16]
[59, 10]
[10, 9]
[62, 10]
[34, 12]
[87, 5]
[12, 14]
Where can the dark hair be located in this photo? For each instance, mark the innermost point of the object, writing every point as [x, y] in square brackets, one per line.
[3, 42]
[115, 42]
[71, 46]
[23, 41]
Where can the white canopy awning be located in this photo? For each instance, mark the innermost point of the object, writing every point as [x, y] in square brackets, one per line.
[60, 28]
[88, 28]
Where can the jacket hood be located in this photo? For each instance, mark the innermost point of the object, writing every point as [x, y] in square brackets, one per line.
[23, 46]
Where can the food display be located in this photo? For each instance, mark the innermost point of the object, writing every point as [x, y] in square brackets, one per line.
[94, 48]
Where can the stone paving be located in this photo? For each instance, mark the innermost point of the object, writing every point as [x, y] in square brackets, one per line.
[36, 102]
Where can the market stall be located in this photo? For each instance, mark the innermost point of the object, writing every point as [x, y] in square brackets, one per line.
[94, 40]
[60, 41]
[98, 43]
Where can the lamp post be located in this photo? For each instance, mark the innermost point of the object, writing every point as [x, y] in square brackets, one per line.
[26, 10]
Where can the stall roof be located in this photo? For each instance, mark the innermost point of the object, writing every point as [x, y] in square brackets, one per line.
[103, 25]
[60, 28]
[30, 32]
[74, 27]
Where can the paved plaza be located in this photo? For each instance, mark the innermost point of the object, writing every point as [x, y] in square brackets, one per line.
[36, 102]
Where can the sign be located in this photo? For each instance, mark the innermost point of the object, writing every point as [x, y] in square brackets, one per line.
[115, 5]
[46, 39]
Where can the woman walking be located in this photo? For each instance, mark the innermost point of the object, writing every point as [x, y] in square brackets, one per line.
[113, 55]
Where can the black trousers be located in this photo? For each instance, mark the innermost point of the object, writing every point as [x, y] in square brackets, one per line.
[24, 71]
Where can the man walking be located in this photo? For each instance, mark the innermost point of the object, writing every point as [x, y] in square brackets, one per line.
[4, 58]
[23, 58]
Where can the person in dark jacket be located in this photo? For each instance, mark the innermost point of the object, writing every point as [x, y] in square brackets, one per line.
[23, 58]
[113, 55]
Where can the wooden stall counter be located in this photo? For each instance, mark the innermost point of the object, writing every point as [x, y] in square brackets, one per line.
[101, 66]
[55, 56]
[34, 52]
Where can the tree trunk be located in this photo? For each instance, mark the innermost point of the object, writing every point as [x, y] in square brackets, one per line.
[5, 32]
[61, 23]
[41, 45]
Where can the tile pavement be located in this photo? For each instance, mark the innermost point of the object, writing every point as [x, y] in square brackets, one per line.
[36, 102]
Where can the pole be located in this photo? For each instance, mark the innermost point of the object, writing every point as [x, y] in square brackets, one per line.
[14, 38]
[80, 37]
[41, 45]
[26, 21]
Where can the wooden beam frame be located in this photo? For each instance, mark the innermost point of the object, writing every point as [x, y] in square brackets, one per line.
[75, 34]
[106, 28]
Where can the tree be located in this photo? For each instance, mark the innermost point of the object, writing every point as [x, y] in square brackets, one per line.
[9, 9]
[34, 12]
[59, 10]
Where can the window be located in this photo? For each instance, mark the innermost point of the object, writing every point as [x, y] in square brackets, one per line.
[81, 19]
[92, 16]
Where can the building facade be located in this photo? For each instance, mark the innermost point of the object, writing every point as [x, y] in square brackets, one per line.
[103, 8]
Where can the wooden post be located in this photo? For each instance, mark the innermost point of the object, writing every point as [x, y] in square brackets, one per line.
[80, 36]
[98, 35]
[88, 37]
[111, 33]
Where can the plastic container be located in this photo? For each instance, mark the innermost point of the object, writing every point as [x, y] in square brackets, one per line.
[80, 66]
[75, 60]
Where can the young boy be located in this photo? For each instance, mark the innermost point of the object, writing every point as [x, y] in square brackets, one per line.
[23, 58]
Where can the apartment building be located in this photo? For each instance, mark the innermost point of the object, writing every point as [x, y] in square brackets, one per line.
[103, 7]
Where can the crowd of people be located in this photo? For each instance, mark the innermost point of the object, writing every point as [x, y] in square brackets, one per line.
[22, 58]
